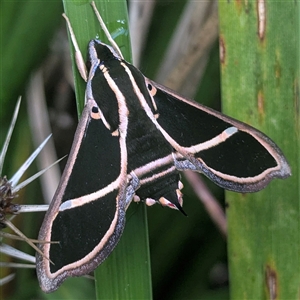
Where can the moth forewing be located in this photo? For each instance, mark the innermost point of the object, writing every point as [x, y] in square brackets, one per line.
[87, 213]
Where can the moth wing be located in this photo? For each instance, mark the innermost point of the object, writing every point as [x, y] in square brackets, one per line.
[232, 154]
[87, 215]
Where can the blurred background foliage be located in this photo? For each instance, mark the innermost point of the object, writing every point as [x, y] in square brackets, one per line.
[188, 254]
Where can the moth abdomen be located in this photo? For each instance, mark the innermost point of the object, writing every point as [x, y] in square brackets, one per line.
[162, 186]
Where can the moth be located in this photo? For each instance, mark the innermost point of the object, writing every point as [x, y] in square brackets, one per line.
[133, 139]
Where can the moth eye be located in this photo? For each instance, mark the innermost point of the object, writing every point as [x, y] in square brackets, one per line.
[95, 109]
[95, 113]
[152, 89]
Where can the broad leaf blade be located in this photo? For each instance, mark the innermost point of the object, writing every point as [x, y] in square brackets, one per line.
[260, 80]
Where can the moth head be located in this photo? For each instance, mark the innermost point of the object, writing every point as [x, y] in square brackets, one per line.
[99, 53]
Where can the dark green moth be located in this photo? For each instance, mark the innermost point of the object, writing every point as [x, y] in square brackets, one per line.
[133, 139]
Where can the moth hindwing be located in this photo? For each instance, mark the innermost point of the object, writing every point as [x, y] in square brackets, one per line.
[132, 140]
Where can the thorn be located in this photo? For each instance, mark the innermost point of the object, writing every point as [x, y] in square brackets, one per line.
[9, 133]
[15, 179]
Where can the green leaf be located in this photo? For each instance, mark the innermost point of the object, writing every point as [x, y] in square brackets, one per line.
[260, 86]
[25, 37]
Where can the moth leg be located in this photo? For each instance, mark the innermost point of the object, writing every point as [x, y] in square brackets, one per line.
[184, 164]
[133, 185]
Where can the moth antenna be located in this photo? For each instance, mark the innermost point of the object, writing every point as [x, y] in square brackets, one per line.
[104, 28]
[78, 56]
